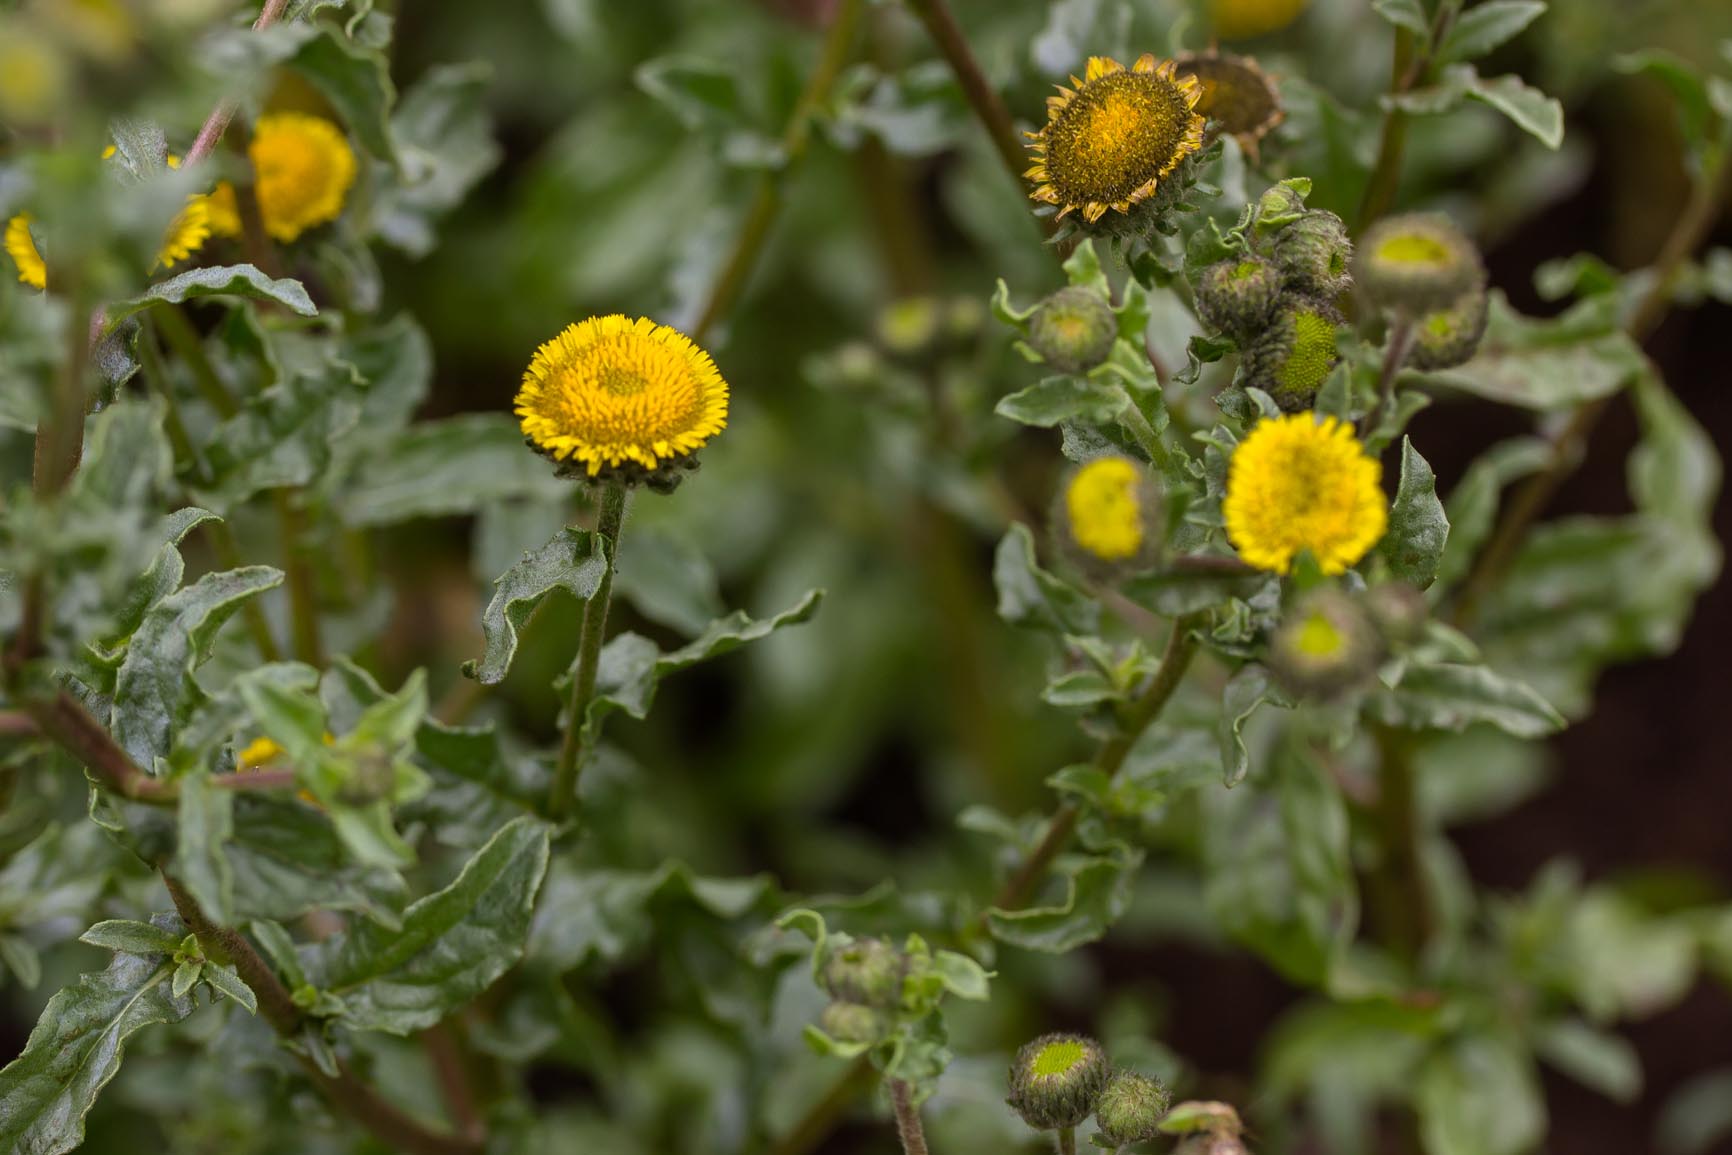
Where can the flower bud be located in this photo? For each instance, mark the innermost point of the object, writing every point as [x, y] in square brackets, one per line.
[1074, 329]
[907, 328]
[1295, 354]
[1130, 1109]
[1417, 263]
[848, 1022]
[1279, 207]
[1325, 645]
[1056, 1081]
[1238, 295]
[1399, 612]
[1111, 517]
[1316, 255]
[866, 970]
[1451, 336]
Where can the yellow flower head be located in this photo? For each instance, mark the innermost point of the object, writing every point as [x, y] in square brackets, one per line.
[187, 233]
[258, 754]
[304, 167]
[223, 210]
[1243, 19]
[1103, 508]
[21, 247]
[1110, 141]
[611, 391]
[1298, 483]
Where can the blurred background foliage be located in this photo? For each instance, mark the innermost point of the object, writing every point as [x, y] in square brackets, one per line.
[834, 757]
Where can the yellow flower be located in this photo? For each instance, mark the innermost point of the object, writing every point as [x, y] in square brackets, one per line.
[224, 211]
[187, 233]
[1109, 142]
[1296, 483]
[304, 167]
[1243, 19]
[259, 753]
[21, 247]
[611, 390]
[1103, 508]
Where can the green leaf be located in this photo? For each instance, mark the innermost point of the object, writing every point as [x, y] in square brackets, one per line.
[1418, 528]
[443, 135]
[1245, 691]
[452, 946]
[1551, 364]
[283, 437]
[1408, 14]
[155, 691]
[574, 561]
[1487, 26]
[1593, 1058]
[1695, 114]
[201, 850]
[1479, 1096]
[631, 666]
[442, 468]
[287, 861]
[229, 983]
[1473, 503]
[1097, 893]
[1535, 113]
[356, 82]
[140, 938]
[217, 281]
[668, 579]
[77, 1047]
[1056, 399]
[609, 914]
[1029, 596]
[1454, 697]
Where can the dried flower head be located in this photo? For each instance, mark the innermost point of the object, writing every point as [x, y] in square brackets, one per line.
[21, 247]
[1056, 1080]
[1299, 483]
[622, 395]
[1417, 263]
[1111, 139]
[1294, 355]
[304, 167]
[1238, 97]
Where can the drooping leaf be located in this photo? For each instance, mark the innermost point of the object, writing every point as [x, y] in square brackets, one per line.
[1058, 399]
[574, 561]
[217, 281]
[1097, 891]
[1418, 528]
[1454, 697]
[1251, 687]
[1487, 26]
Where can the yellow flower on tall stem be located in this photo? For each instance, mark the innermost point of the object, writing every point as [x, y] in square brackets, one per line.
[303, 167]
[1299, 484]
[611, 392]
[1111, 139]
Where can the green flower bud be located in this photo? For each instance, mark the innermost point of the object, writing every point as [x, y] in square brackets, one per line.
[1238, 295]
[1325, 645]
[1057, 1079]
[1295, 354]
[1417, 263]
[1316, 255]
[1111, 517]
[848, 1022]
[907, 328]
[1278, 208]
[1399, 611]
[1130, 1109]
[1074, 329]
[1451, 336]
[866, 970]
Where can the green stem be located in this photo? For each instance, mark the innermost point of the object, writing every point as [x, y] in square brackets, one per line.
[228, 553]
[1132, 418]
[908, 1127]
[177, 330]
[1395, 353]
[767, 200]
[1067, 1141]
[300, 579]
[1405, 906]
[1392, 142]
[563, 800]
[1134, 719]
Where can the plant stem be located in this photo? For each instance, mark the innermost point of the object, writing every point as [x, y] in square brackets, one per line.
[1135, 718]
[227, 550]
[767, 200]
[1405, 908]
[908, 1126]
[1707, 201]
[446, 1054]
[360, 1102]
[177, 330]
[1395, 353]
[1392, 143]
[218, 121]
[1132, 418]
[1067, 1141]
[300, 579]
[563, 799]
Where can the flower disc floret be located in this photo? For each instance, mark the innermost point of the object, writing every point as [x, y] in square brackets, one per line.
[1111, 139]
[303, 168]
[21, 247]
[1298, 483]
[611, 391]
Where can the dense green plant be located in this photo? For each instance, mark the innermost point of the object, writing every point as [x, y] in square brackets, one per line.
[266, 892]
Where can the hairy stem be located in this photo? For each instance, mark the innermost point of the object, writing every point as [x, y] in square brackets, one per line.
[1708, 200]
[218, 122]
[300, 578]
[1135, 718]
[1405, 901]
[767, 200]
[1067, 1141]
[908, 1127]
[563, 799]
[1395, 353]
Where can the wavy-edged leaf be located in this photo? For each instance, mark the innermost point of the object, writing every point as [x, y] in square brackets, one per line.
[1251, 687]
[1454, 697]
[442, 468]
[1096, 895]
[217, 281]
[1031, 597]
[574, 560]
[1418, 528]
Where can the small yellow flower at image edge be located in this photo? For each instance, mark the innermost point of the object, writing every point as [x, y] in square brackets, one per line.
[1299, 483]
[1109, 142]
[21, 247]
[610, 392]
[303, 168]
[1104, 509]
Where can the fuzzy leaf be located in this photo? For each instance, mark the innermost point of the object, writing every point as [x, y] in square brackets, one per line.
[444, 138]
[140, 938]
[574, 561]
[1057, 399]
[282, 437]
[1480, 1096]
[77, 1048]
[452, 946]
[1418, 529]
[1550, 364]
[1245, 691]
[441, 468]
[1487, 26]
[201, 849]
[1029, 596]
[1454, 697]
[1532, 111]
[217, 281]
[1096, 894]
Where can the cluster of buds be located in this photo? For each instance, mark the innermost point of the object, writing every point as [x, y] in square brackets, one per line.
[1331, 642]
[1277, 300]
[864, 980]
[1059, 1080]
[1421, 269]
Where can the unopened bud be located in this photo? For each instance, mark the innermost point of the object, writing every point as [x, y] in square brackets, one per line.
[867, 971]
[1316, 255]
[1074, 329]
[848, 1022]
[1450, 337]
[1324, 646]
[1238, 295]
[1130, 1109]
[1294, 355]
[1417, 263]
[1057, 1080]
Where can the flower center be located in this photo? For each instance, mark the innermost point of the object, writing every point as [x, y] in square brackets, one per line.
[1058, 1058]
[1318, 638]
[1412, 249]
[1118, 133]
[1313, 353]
